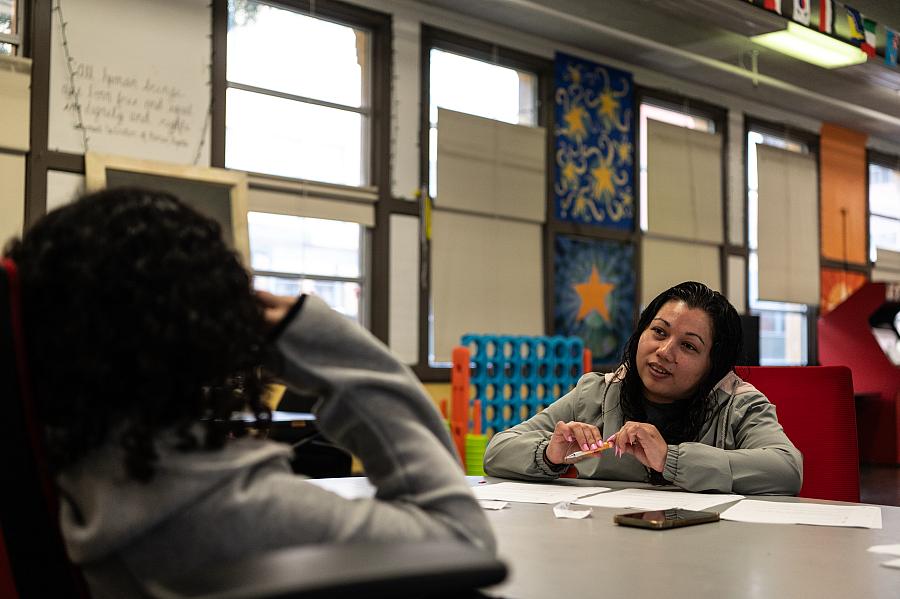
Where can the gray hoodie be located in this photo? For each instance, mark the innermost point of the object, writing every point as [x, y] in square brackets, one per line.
[742, 449]
[209, 506]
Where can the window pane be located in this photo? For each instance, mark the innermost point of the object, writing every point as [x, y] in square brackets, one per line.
[7, 19]
[884, 233]
[340, 295]
[782, 338]
[286, 51]
[7, 49]
[884, 191]
[312, 246]
[265, 134]
[481, 88]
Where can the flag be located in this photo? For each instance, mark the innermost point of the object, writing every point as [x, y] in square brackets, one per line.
[857, 33]
[891, 47]
[868, 46]
[801, 12]
[826, 16]
[774, 5]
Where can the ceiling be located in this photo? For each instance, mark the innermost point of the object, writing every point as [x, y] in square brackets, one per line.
[706, 42]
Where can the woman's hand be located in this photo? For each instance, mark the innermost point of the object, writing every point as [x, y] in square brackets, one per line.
[569, 437]
[275, 307]
[644, 442]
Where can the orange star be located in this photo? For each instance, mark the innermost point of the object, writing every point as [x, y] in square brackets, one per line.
[593, 295]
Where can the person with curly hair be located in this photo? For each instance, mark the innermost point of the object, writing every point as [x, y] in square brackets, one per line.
[144, 336]
[674, 411]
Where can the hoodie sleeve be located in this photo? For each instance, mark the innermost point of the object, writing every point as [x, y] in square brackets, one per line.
[764, 461]
[374, 407]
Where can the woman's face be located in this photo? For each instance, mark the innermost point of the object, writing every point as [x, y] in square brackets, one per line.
[673, 352]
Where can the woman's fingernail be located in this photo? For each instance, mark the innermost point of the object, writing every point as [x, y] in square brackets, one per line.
[569, 439]
[593, 446]
[584, 447]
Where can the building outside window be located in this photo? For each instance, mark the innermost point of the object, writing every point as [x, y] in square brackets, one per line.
[884, 209]
[10, 27]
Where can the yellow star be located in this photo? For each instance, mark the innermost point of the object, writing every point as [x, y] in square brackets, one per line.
[574, 73]
[569, 172]
[593, 294]
[602, 180]
[624, 152]
[575, 121]
[608, 104]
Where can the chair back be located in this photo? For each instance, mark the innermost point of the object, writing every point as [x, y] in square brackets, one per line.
[35, 555]
[815, 407]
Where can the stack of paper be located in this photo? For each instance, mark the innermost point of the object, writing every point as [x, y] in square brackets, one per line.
[648, 499]
[533, 492]
[817, 514]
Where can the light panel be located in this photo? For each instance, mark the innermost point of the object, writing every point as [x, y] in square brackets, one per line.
[811, 46]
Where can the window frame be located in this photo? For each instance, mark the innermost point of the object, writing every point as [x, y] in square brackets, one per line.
[17, 39]
[885, 160]
[374, 298]
[699, 109]
[432, 37]
[811, 140]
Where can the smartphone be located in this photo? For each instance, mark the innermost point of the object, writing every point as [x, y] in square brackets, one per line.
[672, 518]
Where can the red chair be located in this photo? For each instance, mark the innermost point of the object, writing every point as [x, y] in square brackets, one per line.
[816, 408]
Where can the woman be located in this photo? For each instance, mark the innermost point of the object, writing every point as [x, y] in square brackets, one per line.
[144, 336]
[674, 410]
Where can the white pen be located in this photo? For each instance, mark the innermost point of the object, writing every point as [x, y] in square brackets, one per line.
[580, 454]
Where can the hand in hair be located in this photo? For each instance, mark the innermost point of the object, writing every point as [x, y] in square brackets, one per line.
[644, 442]
[275, 307]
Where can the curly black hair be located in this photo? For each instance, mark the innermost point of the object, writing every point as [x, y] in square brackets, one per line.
[726, 349]
[138, 319]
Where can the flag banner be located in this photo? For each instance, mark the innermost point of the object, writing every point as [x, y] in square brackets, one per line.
[826, 16]
[868, 46]
[891, 47]
[856, 34]
[801, 12]
[773, 5]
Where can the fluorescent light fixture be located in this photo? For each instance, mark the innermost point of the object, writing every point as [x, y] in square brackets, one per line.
[811, 46]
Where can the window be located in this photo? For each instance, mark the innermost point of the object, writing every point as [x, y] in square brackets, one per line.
[782, 326]
[10, 27]
[298, 95]
[672, 116]
[479, 88]
[292, 255]
[884, 208]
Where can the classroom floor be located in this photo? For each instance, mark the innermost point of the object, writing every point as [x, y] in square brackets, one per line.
[879, 484]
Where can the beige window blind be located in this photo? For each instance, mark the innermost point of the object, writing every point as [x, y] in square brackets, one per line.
[684, 182]
[665, 263]
[788, 237]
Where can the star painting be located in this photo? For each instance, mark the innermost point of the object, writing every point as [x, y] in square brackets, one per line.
[594, 294]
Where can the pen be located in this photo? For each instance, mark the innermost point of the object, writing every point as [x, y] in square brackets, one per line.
[581, 454]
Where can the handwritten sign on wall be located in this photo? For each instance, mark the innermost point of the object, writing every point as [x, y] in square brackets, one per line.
[131, 78]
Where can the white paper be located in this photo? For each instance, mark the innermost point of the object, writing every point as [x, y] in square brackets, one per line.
[533, 492]
[648, 499]
[816, 514]
[568, 510]
[488, 504]
[888, 549]
[894, 563]
[351, 487]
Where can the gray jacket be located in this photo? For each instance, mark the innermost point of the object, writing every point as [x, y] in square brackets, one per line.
[209, 506]
[742, 449]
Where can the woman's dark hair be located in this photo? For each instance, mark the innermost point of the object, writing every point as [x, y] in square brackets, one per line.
[726, 349]
[138, 319]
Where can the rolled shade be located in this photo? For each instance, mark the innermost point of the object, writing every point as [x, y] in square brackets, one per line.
[887, 266]
[684, 182]
[490, 167]
[403, 334]
[486, 278]
[665, 263]
[788, 226]
[294, 204]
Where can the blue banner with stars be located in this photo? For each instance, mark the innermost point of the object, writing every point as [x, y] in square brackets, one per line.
[594, 295]
[594, 144]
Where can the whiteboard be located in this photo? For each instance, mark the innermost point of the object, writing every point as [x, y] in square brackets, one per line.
[141, 73]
